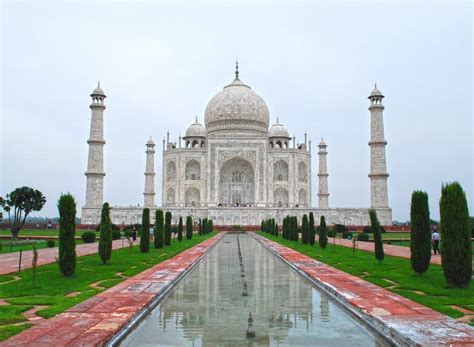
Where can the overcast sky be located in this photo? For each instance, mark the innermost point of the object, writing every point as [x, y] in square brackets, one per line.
[314, 63]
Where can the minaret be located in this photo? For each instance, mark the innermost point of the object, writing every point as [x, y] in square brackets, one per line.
[323, 194]
[378, 167]
[95, 164]
[149, 194]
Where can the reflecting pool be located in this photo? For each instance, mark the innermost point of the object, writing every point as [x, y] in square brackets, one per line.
[211, 305]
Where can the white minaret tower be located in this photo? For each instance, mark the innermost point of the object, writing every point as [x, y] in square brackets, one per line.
[323, 193]
[378, 166]
[149, 194]
[95, 163]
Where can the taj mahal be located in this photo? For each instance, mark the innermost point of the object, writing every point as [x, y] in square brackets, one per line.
[236, 169]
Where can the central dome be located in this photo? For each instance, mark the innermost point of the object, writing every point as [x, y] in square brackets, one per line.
[237, 107]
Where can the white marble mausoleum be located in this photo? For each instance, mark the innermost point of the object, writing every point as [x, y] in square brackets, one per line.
[236, 168]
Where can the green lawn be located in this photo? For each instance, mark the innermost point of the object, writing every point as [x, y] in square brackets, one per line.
[428, 289]
[390, 235]
[40, 232]
[51, 287]
[5, 246]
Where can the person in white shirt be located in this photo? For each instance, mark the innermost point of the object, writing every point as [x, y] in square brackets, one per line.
[435, 240]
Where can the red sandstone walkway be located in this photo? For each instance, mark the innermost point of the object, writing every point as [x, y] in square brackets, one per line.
[9, 261]
[409, 322]
[94, 321]
[396, 251]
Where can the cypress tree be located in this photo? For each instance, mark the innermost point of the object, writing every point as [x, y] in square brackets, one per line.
[105, 241]
[210, 225]
[67, 228]
[323, 233]
[273, 226]
[159, 229]
[145, 237]
[167, 237]
[294, 228]
[375, 226]
[200, 227]
[204, 226]
[189, 228]
[420, 235]
[455, 227]
[180, 229]
[305, 229]
[312, 231]
[276, 229]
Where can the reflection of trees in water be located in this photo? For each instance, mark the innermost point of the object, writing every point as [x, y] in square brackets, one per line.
[324, 307]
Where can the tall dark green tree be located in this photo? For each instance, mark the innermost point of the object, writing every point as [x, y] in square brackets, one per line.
[295, 229]
[180, 229]
[167, 238]
[276, 230]
[67, 229]
[455, 227]
[377, 232]
[204, 226]
[159, 229]
[189, 228]
[145, 237]
[210, 226]
[105, 240]
[420, 238]
[312, 230]
[200, 227]
[305, 229]
[323, 233]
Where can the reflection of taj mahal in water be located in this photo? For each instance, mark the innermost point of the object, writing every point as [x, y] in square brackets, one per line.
[237, 169]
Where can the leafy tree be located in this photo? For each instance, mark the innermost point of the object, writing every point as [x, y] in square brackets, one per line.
[305, 229]
[105, 239]
[456, 253]
[323, 233]
[312, 230]
[159, 229]
[189, 228]
[180, 229]
[420, 244]
[167, 238]
[375, 225]
[67, 229]
[145, 237]
[21, 202]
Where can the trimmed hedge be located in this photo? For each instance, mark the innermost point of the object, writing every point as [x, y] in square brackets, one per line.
[363, 237]
[116, 235]
[50, 243]
[88, 237]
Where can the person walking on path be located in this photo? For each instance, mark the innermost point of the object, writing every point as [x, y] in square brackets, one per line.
[435, 240]
[134, 234]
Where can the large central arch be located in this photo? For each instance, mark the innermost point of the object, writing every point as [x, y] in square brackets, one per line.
[236, 182]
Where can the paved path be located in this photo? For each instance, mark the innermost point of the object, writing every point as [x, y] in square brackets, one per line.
[9, 261]
[396, 251]
[94, 321]
[405, 320]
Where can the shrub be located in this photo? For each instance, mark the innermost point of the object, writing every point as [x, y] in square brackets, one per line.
[332, 233]
[363, 237]
[67, 229]
[159, 229]
[180, 229]
[420, 235]
[367, 229]
[115, 227]
[189, 228]
[374, 222]
[116, 235]
[323, 233]
[127, 234]
[145, 237]
[305, 230]
[346, 234]
[50, 243]
[312, 230]
[456, 253]
[105, 239]
[88, 237]
[340, 228]
[167, 237]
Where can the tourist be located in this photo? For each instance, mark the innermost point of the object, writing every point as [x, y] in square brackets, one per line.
[134, 234]
[152, 233]
[435, 240]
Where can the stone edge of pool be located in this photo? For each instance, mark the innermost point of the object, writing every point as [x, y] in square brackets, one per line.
[401, 320]
[104, 318]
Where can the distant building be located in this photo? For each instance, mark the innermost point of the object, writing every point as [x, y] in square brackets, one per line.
[237, 169]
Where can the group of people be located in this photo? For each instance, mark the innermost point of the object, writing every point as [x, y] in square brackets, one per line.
[235, 205]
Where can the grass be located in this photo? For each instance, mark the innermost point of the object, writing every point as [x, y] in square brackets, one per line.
[6, 248]
[51, 287]
[432, 284]
[40, 232]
